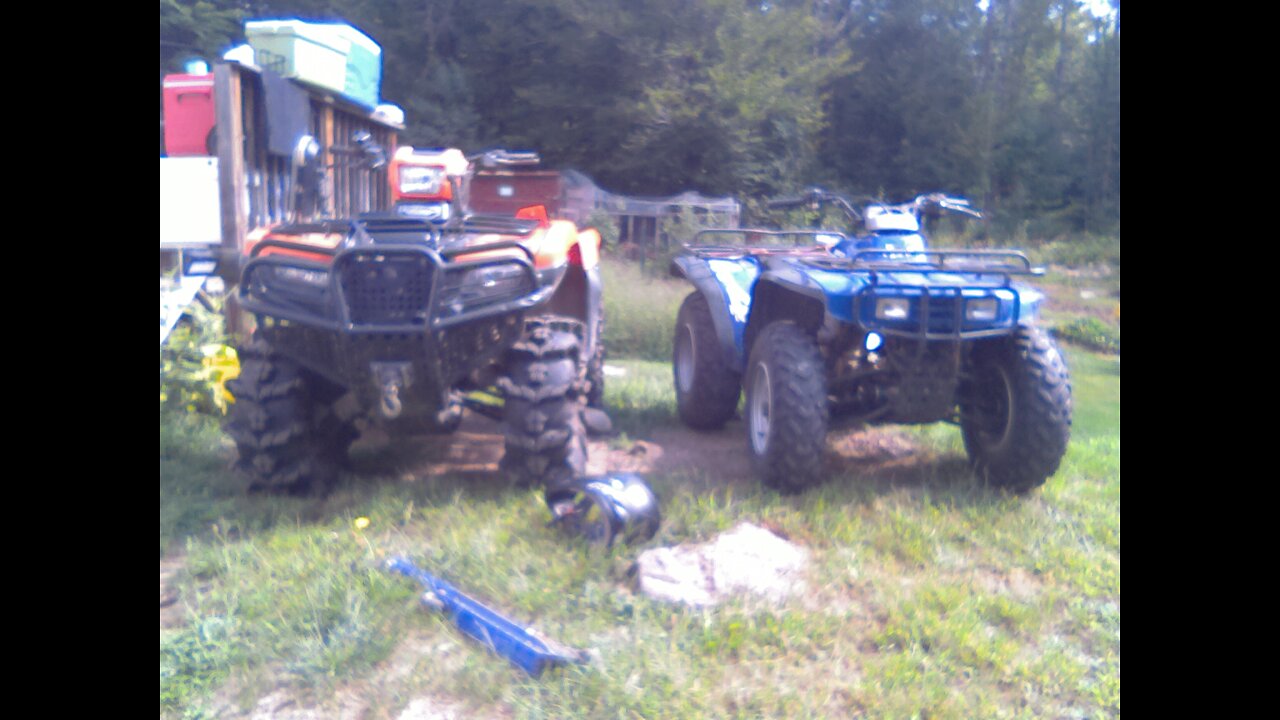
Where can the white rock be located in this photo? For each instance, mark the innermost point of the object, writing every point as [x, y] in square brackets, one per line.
[747, 560]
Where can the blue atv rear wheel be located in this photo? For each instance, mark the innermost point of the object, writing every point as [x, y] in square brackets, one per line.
[707, 388]
[786, 416]
[1016, 413]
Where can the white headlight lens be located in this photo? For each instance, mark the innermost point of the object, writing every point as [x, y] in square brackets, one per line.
[420, 180]
[893, 309]
[426, 211]
[318, 278]
[982, 309]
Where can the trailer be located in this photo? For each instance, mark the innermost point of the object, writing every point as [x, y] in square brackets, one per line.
[246, 178]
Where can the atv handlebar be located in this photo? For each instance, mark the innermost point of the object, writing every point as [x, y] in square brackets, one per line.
[945, 202]
[815, 197]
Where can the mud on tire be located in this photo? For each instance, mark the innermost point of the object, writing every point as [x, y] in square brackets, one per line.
[544, 389]
[786, 413]
[288, 437]
[707, 388]
[1015, 415]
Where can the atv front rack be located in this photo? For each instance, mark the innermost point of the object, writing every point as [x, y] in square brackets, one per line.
[925, 262]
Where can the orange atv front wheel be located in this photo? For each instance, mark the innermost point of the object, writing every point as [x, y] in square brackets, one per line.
[544, 389]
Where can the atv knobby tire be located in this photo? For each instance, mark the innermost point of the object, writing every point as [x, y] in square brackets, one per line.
[707, 388]
[288, 436]
[595, 368]
[546, 441]
[786, 410]
[1016, 411]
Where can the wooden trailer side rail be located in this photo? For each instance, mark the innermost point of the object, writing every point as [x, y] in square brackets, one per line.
[255, 187]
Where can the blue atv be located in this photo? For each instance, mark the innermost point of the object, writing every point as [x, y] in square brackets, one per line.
[825, 329]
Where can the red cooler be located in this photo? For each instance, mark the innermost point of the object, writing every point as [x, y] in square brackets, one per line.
[188, 115]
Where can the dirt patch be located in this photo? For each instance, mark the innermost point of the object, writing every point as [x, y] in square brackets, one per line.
[721, 456]
[474, 449]
[171, 609]
[425, 708]
[1016, 582]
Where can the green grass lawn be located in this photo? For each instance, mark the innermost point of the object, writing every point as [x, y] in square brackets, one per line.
[930, 595]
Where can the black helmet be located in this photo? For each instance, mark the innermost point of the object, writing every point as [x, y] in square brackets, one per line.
[603, 509]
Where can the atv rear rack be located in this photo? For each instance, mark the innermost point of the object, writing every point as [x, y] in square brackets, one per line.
[695, 245]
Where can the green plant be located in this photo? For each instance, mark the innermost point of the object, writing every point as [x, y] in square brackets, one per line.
[1082, 251]
[606, 225]
[640, 311]
[196, 362]
[1092, 333]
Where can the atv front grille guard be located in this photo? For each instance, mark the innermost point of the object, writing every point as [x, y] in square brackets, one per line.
[937, 313]
[389, 289]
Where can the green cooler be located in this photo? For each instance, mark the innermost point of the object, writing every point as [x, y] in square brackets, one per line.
[314, 54]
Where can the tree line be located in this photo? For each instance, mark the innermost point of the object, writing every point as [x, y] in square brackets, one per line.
[1013, 103]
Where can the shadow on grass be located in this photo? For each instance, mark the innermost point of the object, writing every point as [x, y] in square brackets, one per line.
[199, 487]
[859, 465]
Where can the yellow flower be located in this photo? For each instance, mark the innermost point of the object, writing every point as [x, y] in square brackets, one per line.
[362, 523]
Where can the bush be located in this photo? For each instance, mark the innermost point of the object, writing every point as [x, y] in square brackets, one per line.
[1082, 251]
[196, 363]
[606, 225]
[1092, 333]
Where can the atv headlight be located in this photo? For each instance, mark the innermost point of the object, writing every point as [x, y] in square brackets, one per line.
[982, 310]
[438, 212]
[486, 285]
[893, 308]
[315, 278]
[417, 180]
[486, 278]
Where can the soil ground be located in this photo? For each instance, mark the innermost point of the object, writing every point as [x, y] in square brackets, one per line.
[719, 456]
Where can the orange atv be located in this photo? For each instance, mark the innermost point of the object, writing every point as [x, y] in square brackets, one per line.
[405, 318]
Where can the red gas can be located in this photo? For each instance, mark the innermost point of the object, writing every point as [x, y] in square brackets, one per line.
[188, 115]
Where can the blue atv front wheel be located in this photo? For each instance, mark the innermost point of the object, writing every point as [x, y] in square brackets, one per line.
[1016, 413]
[786, 418]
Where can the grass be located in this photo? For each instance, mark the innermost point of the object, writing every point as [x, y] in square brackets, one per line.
[640, 311]
[930, 595]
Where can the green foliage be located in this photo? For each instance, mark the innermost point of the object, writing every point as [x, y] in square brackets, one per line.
[1016, 105]
[196, 363]
[606, 225]
[200, 29]
[1092, 333]
[640, 309]
[1083, 251]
